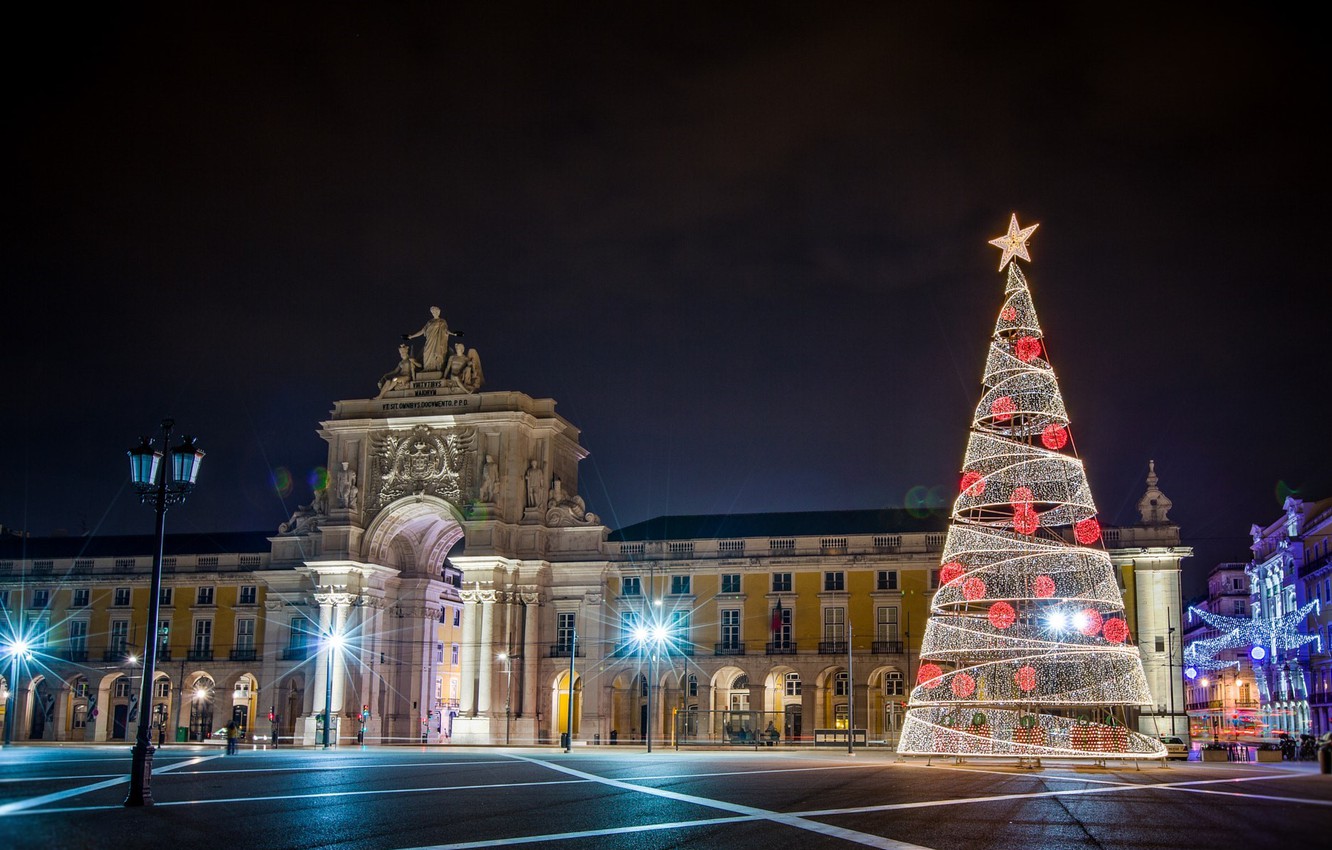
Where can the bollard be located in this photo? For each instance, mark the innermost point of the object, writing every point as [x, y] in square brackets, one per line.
[1325, 758]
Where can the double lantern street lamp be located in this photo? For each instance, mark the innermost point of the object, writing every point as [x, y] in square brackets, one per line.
[19, 652]
[170, 488]
[652, 639]
[334, 641]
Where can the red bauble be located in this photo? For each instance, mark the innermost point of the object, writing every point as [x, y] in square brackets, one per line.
[1003, 408]
[1115, 630]
[973, 483]
[929, 675]
[1027, 348]
[963, 685]
[1025, 520]
[1093, 624]
[950, 571]
[973, 589]
[1002, 615]
[1043, 587]
[1025, 677]
[1088, 531]
[1008, 314]
[1054, 437]
[1021, 496]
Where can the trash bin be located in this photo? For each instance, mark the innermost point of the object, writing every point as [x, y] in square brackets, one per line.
[596, 739]
[1325, 758]
[564, 740]
[182, 734]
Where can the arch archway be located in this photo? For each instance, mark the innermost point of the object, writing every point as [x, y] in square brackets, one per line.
[560, 703]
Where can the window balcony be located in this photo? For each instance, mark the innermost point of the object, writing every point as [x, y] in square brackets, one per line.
[75, 654]
[559, 651]
[729, 648]
[243, 654]
[832, 647]
[296, 653]
[116, 656]
[781, 647]
[887, 647]
[197, 654]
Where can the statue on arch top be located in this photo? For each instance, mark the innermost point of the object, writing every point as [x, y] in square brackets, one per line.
[436, 333]
[463, 371]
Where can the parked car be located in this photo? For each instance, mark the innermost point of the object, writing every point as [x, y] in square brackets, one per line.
[1175, 747]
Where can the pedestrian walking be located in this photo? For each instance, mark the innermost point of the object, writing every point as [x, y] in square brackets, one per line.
[233, 736]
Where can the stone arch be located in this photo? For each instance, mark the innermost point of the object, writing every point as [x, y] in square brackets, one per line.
[39, 708]
[412, 533]
[559, 692]
[200, 703]
[887, 696]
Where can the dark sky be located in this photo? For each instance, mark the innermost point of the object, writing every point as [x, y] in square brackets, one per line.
[745, 249]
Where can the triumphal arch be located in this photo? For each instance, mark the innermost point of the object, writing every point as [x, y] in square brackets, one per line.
[429, 466]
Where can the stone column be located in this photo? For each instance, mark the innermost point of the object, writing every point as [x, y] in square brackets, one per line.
[325, 601]
[467, 693]
[340, 611]
[486, 662]
[531, 654]
[809, 698]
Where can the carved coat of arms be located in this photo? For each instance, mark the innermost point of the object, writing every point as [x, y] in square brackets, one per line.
[421, 461]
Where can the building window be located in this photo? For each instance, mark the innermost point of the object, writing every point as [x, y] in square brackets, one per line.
[840, 716]
[893, 684]
[781, 582]
[934, 579]
[249, 594]
[457, 617]
[834, 580]
[203, 635]
[163, 637]
[1241, 607]
[300, 628]
[162, 688]
[41, 598]
[730, 583]
[121, 688]
[439, 653]
[839, 684]
[78, 636]
[245, 634]
[165, 596]
[1160, 643]
[455, 654]
[628, 625]
[834, 625]
[730, 628]
[885, 627]
[81, 596]
[80, 715]
[631, 586]
[781, 631]
[122, 597]
[679, 585]
[119, 635]
[793, 684]
[204, 596]
[680, 628]
[565, 629]
[643, 687]
[887, 580]
[693, 685]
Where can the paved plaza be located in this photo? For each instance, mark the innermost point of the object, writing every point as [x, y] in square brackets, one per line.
[69, 797]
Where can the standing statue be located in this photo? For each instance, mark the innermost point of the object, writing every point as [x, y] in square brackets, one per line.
[436, 333]
[404, 374]
[535, 478]
[463, 371]
[347, 487]
[489, 486]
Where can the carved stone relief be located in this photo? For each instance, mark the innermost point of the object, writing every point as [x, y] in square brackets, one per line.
[422, 461]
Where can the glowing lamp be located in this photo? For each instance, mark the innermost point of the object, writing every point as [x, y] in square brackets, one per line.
[963, 685]
[659, 634]
[1087, 531]
[929, 675]
[1057, 621]
[950, 571]
[1204, 681]
[1054, 436]
[1003, 408]
[1043, 587]
[335, 640]
[641, 634]
[1002, 615]
[1025, 677]
[1190, 673]
[973, 483]
[1027, 348]
[1257, 653]
[973, 589]
[1115, 630]
[185, 461]
[144, 460]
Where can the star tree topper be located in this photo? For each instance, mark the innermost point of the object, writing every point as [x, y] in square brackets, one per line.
[1014, 242]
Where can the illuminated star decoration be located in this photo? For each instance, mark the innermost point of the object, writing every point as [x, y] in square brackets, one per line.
[1014, 242]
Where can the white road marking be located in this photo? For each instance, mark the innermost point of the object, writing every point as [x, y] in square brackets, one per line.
[591, 833]
[20, 806]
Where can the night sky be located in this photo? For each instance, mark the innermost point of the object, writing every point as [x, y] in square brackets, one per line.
[745, 250]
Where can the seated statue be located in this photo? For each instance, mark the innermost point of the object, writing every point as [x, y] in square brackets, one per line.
[462, 371]
[401, 376]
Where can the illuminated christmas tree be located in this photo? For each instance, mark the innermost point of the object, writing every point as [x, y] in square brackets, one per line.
[1026, 652]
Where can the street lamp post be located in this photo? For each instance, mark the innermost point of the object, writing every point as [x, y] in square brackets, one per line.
[651, 639]
[170, 488]
[508, 693]
[573, 653]
[332, 643]
[18, 651]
